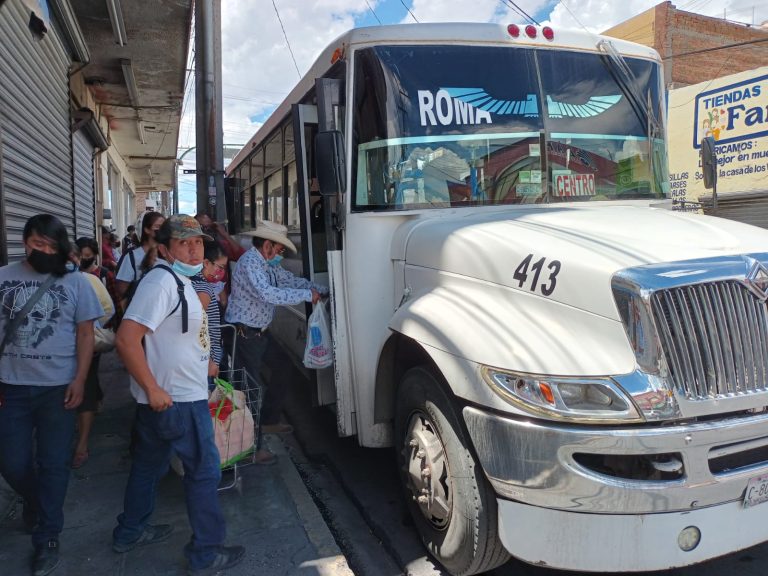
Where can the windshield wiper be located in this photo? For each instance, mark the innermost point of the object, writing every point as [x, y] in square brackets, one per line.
[627, 81]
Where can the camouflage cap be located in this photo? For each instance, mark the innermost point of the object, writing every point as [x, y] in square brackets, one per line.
[184, 226]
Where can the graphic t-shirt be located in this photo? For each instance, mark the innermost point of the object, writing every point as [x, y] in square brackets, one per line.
[126, 272]
[214, 315]
[43, 350]
[178, 361]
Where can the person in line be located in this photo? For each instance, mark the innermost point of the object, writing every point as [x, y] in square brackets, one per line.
[115, 243]
[229, 245]
[108, 259]
[259, 284]
[92, 393]
[169, 382]
[130, 240]
[205, 283]
[89, 262]
[129, 270]
[43, 368]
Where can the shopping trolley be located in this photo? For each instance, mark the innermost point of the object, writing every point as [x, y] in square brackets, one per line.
[249, 392]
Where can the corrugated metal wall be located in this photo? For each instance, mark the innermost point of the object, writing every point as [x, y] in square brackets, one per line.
[34, 113]
[85, 209]
[747, 207]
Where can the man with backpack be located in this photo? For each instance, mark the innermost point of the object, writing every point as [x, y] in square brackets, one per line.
[169, 381]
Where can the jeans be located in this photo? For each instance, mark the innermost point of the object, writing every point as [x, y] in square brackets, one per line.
[252, 353]
[185, 429]
[35, 447]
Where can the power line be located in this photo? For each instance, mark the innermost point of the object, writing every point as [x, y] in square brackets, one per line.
[704, 50]
[520, 11]
[576, 18]
[373, 12]
[409, 11]
[286, 38]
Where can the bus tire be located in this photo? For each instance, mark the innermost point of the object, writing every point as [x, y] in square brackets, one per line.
[451, 502]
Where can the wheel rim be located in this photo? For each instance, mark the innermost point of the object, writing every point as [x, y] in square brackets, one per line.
[425, 468]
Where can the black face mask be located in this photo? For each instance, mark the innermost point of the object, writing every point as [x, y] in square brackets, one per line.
[86, 263]
[46, 263]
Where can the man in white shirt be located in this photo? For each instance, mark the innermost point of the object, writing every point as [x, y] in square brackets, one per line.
[169, 381]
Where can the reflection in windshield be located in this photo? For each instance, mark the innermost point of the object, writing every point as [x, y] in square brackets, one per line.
[500, 169]
[438, 126]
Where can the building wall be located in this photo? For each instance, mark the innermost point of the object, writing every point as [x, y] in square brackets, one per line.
[676, 33]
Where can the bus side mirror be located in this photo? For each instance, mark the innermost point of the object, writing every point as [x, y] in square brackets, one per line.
[331, 168]
[708, 157]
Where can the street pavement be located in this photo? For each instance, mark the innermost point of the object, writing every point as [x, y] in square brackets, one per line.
[268, 510]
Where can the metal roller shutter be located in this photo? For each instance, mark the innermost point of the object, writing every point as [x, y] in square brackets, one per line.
[34, 114]
[85, 207]
[747, 207]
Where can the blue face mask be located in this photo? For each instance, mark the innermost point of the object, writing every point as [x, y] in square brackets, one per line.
[275, 260]
[186, 269]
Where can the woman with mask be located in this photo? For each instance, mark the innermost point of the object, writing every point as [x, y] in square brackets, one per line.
[129, 268]
[92, 393]
[206, 285]
[46, 320]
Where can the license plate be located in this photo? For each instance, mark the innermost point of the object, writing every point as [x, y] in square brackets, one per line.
[757, 491]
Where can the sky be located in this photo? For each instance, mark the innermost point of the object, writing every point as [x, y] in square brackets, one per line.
[259, 67]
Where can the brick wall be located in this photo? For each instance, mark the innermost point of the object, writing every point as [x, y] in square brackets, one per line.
[690, 32]
[677, 32]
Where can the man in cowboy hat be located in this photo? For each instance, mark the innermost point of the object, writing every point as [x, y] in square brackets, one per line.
[259, 284]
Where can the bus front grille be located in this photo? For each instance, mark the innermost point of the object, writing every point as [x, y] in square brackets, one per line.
[715, 339]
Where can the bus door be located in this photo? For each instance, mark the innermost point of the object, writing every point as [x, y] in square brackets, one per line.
[332, 385]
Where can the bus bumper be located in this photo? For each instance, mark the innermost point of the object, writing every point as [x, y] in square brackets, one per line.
[603, 499]
[625, 543]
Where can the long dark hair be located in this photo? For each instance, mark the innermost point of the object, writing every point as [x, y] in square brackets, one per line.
[51, 227]
[162, 236]
[146, 223]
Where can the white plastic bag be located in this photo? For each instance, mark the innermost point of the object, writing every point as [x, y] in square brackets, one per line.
[318, 353]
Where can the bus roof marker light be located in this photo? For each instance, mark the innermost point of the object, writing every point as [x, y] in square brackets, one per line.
[548, 33]
[530, 31]
[513, 30]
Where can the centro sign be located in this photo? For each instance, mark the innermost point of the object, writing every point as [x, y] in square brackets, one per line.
[572, 184]
[441, 108]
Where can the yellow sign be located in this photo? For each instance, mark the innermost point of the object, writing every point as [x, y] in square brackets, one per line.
[732, 109]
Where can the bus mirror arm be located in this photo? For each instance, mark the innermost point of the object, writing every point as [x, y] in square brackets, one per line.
[331, 169]
[708, 157]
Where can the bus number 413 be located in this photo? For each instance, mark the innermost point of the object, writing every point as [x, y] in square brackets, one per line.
[522, 272]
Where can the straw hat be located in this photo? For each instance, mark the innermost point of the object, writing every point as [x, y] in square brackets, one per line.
[272, 231]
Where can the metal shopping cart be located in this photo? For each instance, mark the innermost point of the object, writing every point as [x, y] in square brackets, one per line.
[239, 448]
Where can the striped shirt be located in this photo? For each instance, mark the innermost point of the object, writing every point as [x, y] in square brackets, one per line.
[201, 285]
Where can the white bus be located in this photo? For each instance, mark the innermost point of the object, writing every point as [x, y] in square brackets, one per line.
[569, 373]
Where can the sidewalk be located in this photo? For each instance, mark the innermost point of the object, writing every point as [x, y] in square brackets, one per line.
[270, 512]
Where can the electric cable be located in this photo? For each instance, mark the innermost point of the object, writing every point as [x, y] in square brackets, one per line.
[286, 38]
[522, 12]
[373, 12]
[409, 11]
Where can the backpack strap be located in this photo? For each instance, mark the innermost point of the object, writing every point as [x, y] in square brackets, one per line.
[132, 258]
[182, 298]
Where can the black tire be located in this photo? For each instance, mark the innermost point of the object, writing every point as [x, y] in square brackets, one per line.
[465, 540]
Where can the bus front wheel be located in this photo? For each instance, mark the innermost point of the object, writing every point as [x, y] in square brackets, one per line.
[451, 502]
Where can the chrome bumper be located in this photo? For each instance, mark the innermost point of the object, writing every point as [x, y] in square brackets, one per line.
[533, 463]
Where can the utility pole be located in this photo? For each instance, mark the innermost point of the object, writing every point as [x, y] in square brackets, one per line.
[208, 116]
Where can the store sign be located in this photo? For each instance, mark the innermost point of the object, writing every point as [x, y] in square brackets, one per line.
[734, 113]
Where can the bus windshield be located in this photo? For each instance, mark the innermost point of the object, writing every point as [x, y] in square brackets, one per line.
[447, 126]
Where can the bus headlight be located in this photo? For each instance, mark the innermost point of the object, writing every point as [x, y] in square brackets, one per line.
[573, 399]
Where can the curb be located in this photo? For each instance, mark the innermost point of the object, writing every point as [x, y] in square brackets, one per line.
[331, 561]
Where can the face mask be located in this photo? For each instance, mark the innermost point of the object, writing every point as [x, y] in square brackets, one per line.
[275, 260]
[86, 263]
[217, 276]
[186, 269]
[44, 263]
